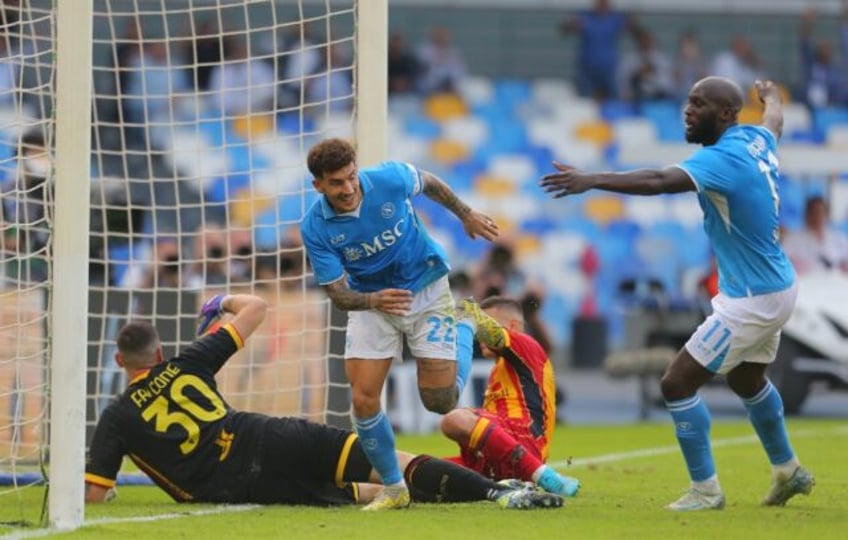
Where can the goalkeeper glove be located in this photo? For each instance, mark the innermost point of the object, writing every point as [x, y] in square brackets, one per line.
[210, 311]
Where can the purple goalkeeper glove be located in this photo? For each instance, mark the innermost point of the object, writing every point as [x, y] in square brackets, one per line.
[210, 311]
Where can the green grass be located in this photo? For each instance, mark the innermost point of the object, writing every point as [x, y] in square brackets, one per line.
[622, 497]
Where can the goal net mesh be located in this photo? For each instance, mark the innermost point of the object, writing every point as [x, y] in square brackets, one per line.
[202, 115]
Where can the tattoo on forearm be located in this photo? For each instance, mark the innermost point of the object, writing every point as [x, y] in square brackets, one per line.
[346, 299]
[439, 191]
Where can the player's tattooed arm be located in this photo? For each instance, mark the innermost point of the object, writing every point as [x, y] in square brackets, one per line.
[436, 189]
[392, 301]
[345, 298]
[475, 223]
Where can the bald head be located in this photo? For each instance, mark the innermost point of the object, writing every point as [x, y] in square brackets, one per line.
[721, 91]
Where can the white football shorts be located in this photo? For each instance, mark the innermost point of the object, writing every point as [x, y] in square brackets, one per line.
[742, 330]
[429, 328]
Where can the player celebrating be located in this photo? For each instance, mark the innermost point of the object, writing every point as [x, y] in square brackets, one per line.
[175, 425]
[376, 261]
[735, 175]
[510, 435]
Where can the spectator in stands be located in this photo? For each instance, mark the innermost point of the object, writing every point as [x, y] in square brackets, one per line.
[299, 58]
[241, 85]
[205, 53]
[689, 65]
[534, 326]
[597, 55]
[645, 74]
[331, 89]
[442, 64]
[211, 256]
[403, 66]
[170, 270]
[824, 79]
[740, 63]
[9, 73]
[26, 206]
[499, 273]
[155, 78]
[817, 247]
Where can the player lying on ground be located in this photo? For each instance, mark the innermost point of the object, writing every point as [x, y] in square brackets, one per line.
[176, 427]
[509, 437]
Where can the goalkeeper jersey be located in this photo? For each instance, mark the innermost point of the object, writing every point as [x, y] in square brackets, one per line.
[522, 387]
[172, 421]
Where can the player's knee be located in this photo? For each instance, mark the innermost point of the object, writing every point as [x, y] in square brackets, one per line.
[457, 424]
[365, 403]
[439, 400]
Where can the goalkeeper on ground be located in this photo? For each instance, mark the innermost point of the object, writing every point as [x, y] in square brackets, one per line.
[176, 427]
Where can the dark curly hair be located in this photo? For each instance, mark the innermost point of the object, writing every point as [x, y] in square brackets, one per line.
[330, 155]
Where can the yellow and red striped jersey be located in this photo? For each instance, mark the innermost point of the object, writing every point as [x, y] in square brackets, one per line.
[522, 387]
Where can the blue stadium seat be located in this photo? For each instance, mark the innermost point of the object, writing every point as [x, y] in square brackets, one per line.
[667, 118]
[825, 117]
[510, 93]
[612, 110]
[270, 226]
[295, 122]
[422, 127]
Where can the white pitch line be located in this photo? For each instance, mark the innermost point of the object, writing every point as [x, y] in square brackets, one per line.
[661, 450]
[224, 509]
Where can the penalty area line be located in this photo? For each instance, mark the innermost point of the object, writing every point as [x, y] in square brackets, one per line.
[672, 449]
[223, 509]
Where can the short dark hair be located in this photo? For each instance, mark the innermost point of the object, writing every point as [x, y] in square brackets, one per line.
[137, 340]
[330, 155]
[501, 301]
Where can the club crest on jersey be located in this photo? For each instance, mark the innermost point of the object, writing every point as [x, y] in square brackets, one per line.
[352, 254]
[338, 239]
[387, 210]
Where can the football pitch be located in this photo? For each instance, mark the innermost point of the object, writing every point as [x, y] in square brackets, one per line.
[629, 472]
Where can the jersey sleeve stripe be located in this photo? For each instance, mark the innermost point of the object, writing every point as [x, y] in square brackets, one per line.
[343, 457]
[99, 480]
[234, 334]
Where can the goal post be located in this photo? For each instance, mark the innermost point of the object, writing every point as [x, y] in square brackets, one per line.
[69, 299]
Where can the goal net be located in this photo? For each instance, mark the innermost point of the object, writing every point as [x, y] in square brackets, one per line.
[202, 114]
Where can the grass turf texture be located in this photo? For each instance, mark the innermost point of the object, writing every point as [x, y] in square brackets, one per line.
[628, 472]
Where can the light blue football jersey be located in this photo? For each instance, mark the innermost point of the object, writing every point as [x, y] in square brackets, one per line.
[737, 187]
[382, 244]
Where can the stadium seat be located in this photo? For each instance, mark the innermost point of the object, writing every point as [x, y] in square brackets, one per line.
[667, 117]
[604, 209]
[476, 90]
[613, 110]
[751, 114]
[422, 127]
[647, 210]
[825, 117]
[442, 107]
[448, 152]
[597, 132]
[246, 204]
[253, 126]
[837, 137]
[469, 130]
[512, 93]
[546, 91]
[520, 168]
[630, 132]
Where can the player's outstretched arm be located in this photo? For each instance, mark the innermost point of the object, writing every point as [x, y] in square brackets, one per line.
[569, 181]
[475, 223]
[248, 312]
[769, 95]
